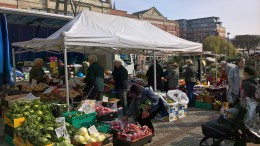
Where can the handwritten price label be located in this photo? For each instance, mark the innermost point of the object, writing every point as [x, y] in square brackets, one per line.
[105, 99]
[49, 90]
[34, 82]
[62, 132]
[92, 130]
[60, 120]
[85, 108]
[30, 96]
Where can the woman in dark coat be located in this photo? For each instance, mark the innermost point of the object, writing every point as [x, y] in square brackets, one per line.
[159, 75]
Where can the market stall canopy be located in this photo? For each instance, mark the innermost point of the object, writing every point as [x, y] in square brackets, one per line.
[94, 32]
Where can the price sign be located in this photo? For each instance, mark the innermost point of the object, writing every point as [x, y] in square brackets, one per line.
[30, 96]
[92, 130]
[105, 99]
[85, 108]
[49, 90]
[61, 81]
[60, 120]
[34, 82]
[62, 132]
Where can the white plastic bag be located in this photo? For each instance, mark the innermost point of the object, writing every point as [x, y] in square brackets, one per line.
[179, 96]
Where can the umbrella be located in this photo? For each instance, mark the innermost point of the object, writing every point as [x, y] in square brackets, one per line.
[5, 64]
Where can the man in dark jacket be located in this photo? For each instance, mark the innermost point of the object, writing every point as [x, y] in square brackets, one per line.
[159, 75]
[94, 79]
[190, 80]
[249, 84]
[120, 75]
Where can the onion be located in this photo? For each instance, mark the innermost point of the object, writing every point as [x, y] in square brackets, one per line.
[92, 140]
[83, 131]
[86, 137]
[80, 139]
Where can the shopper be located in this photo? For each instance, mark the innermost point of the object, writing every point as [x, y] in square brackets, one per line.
[190, 79]
[94, 79]
[249, 84]
[235, 77]
[147, 112]
[120, 76]
[226, 66]
[37, 73]
[83, 69]
[159, 75]
[173, 76]
[61, 69]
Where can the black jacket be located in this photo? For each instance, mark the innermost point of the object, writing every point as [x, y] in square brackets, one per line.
[190, 73]
[159, 74]
[249, 86]
[120, 76]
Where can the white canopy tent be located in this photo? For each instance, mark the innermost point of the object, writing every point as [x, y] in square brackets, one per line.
[98, 33]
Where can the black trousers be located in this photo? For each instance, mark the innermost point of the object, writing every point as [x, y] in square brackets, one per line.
[147, 121]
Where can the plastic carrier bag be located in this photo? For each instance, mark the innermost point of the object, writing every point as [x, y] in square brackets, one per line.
[179, 96]
[252, 119]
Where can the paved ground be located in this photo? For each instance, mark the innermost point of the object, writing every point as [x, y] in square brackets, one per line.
[183, 132]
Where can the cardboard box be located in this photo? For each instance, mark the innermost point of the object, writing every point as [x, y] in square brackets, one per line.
[182, 112]
[169, 113]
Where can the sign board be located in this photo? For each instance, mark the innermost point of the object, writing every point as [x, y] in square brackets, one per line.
[92, 130]
[62, 132]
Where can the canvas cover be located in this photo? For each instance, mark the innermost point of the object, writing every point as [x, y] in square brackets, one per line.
[94, 32]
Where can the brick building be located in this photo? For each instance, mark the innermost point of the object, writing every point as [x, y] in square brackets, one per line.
[198, 29]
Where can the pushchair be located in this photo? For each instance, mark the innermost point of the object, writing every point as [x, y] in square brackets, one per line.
[222, 129]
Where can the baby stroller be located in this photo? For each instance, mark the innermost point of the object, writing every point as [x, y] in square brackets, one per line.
[227, 129]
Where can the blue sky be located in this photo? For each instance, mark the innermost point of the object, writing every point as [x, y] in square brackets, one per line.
[238, 16]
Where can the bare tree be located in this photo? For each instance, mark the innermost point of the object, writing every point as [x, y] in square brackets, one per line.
[246, 42]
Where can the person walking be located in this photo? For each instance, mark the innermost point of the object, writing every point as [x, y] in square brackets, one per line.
[173, 76]
[94, 79]
[120, 76]
[235, 77]
[190, 79]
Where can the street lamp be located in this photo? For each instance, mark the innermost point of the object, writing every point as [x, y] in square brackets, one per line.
[228, 33]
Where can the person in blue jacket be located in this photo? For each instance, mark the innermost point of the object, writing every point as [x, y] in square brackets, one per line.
[144, 105]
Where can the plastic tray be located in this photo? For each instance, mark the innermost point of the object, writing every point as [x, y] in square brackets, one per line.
[140, 142]
[9, 140]
[101, 126]
[9, 130]
[76, 120]
[203, 105]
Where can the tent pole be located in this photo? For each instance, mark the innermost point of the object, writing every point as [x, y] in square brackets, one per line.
[14, 67]
[201, 68]
[66, 75]
[154, 69]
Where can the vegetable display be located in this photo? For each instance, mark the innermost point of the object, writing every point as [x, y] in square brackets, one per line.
[83, 137]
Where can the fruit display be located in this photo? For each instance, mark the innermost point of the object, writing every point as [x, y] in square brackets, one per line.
[83, 137]
[72, 93]
[37, 88]
[101, 110]
[50, 96]
[133, 132]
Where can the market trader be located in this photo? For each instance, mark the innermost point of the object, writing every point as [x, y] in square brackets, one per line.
[120, 76]
[94, 79]
[151, 105]
[38, 73]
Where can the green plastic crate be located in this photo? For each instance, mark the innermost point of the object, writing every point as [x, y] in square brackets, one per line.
[77, 120]
[203, 105]
[9, 140]
[101, 126]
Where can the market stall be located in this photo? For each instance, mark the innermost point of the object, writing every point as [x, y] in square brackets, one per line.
[101, 33]
[97, 33]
